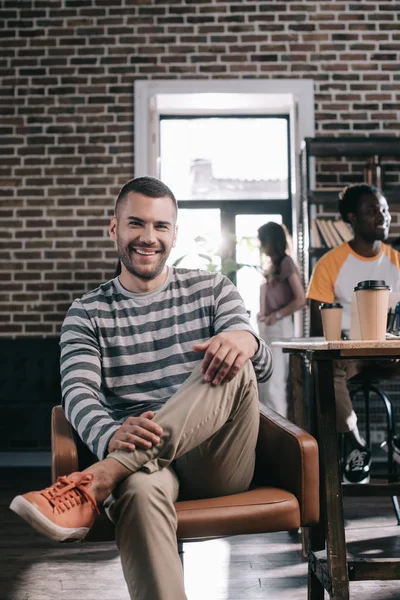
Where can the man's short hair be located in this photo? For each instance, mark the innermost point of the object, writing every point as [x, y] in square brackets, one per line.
[148, 186]
[349, 198]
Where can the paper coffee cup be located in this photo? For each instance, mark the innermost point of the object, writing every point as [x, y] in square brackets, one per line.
[354, 322]
[331, 315]
[372, 307]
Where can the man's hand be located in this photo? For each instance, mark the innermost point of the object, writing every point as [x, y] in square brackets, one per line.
[225, 354]
[138, 432]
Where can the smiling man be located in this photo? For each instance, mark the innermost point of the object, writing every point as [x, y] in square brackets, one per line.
[335, 275]
[145, 234]
[159, 371]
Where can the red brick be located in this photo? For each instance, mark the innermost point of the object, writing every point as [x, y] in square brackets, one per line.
[77, 111]
[8, 329]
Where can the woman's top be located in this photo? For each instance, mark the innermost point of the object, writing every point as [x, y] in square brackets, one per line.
[276, 292]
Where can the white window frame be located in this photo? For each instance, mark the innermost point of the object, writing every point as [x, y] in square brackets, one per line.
[294, 97]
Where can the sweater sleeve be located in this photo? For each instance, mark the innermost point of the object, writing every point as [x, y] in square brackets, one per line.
[81, 382]
[231, 315]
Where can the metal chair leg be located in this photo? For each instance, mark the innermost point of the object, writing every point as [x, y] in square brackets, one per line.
[367, 388]
[390, 428]
[396, 506]
[390, 433]
[181, 552]
[367, 391]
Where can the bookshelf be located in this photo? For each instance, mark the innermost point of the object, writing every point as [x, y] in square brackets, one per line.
[312, 197]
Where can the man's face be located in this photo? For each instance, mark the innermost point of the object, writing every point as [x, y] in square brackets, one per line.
[372, 220]
[145, 232]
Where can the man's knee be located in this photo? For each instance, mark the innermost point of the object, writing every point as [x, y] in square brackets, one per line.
[143, 491]
[247, 372]
[346, 369]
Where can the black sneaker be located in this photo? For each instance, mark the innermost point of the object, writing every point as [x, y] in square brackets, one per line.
[358, 465]
[395, 446]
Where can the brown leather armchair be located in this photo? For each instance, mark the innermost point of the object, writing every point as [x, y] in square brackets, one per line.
[283, 497]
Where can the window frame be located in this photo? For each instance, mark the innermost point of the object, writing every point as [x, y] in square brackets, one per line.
[294, 96]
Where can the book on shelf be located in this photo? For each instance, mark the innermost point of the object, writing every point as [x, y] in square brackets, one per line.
[315, 237]
[329, 233]
[327, 238]
[344, 230]
[337, 240]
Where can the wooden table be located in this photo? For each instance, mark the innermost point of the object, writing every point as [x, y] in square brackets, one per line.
[329, 568]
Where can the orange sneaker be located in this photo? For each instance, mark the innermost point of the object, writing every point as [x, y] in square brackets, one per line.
[65, 511]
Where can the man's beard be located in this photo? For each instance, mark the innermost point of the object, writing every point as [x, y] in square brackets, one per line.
[142, 272]
[379, 235]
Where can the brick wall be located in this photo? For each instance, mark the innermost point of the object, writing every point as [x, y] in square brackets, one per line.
[68, 68]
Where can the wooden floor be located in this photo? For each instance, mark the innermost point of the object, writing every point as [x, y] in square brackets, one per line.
[242, 568]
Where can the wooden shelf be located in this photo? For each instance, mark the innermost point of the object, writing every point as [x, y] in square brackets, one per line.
[317, 252]
[360, 148]
[353, 146]
[329, 197]
[323, 197]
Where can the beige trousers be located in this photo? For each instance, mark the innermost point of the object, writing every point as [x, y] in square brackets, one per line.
[343, 370]
[207, 449]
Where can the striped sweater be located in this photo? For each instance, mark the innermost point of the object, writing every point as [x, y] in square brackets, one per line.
[124, 353]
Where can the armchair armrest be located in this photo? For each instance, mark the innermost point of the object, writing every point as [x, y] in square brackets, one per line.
[64, 455]
[287, 457]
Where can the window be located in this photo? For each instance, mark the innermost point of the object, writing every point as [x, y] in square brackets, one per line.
[225, 157]
[227, 149]
[199, 239]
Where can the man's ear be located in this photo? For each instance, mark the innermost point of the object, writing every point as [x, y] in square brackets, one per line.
[352, 218]
[112, 230]
[175, 236]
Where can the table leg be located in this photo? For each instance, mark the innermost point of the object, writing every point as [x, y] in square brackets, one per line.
[315, 588]
[316, 534]
[331, 488]
[296, 413]
[296, 392]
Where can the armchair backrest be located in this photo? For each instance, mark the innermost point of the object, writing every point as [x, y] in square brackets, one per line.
[289, 457]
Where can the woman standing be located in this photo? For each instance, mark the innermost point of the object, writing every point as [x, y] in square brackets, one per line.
[280, 296]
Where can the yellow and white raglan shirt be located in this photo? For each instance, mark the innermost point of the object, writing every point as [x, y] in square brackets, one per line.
[337, 273]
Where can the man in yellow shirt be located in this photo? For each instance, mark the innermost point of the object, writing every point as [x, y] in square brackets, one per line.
[334, 277]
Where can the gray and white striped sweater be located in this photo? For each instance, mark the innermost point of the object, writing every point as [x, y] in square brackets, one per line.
[124, 353]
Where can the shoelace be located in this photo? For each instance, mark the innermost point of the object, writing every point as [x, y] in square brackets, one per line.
[65, 493]
[357, 459]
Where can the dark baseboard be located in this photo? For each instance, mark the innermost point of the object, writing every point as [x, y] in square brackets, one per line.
[25, 459]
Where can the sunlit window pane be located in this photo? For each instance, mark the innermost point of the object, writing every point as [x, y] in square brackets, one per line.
[250, 277]
[199, 239]
[225, 158]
